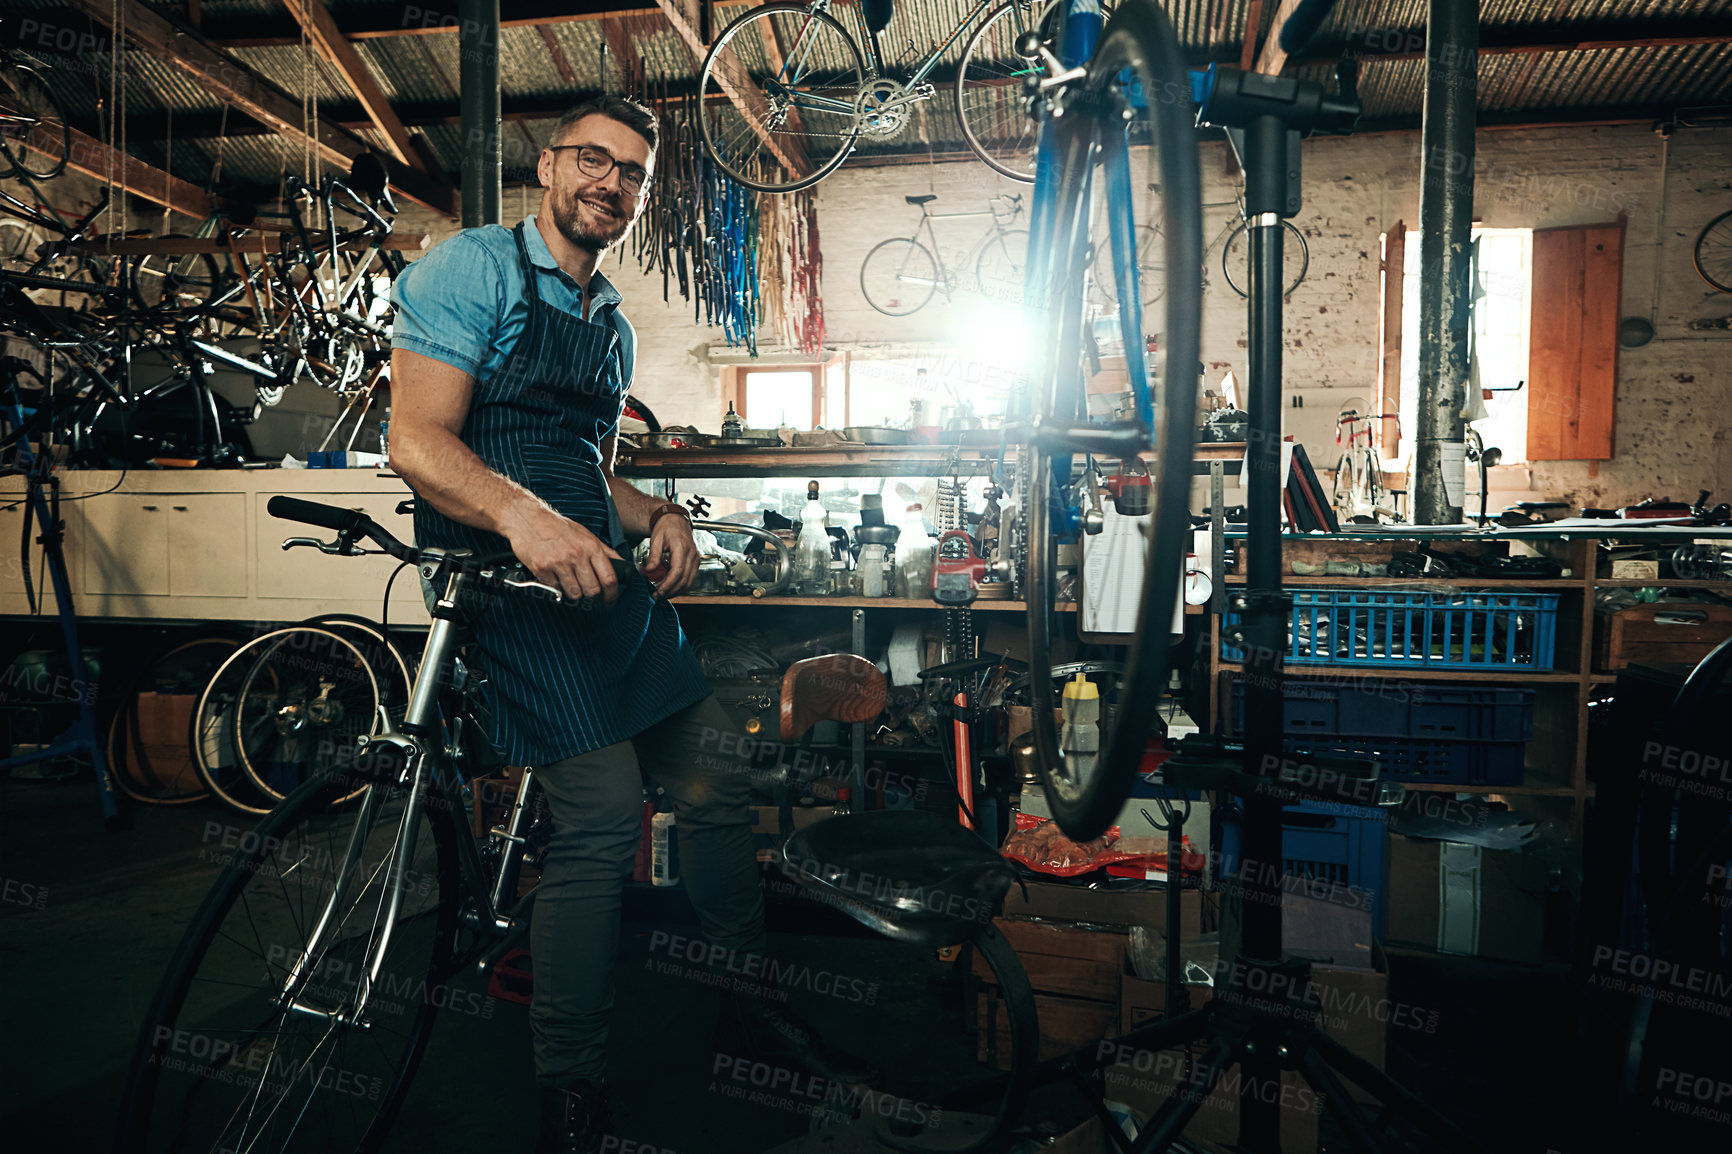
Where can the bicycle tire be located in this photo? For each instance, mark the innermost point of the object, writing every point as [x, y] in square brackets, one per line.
[26, 89]
[894, 286]
[1294, 245]
[725, 68]
[175, 283]
[270, 864]
[1140, 39]
[1002, 266]
[1712, 253]
[328, 660]
[1151, 275]
[989, 67]
[126, 748]
[219, 728]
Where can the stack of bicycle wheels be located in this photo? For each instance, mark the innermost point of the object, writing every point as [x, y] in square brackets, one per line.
[248, 721]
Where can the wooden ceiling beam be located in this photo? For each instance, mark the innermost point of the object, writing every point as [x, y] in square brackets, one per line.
[235, 84]
[683, 15]
[90, 157]
[321, 28]
[1271, 57]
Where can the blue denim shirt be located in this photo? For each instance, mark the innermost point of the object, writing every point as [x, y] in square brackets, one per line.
[462, 303]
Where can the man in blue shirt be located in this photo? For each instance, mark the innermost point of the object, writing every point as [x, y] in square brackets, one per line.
[507, 380]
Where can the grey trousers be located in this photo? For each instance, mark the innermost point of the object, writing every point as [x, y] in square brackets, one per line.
[596, 802]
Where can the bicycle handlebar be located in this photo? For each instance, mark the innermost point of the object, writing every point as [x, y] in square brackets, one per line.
[502, 570]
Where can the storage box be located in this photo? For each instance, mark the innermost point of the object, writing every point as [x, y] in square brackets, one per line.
[1464, 899]
[1465, 629]
[1066, 1024]
[1678, 631]
[1061, 958]
[1075, 903]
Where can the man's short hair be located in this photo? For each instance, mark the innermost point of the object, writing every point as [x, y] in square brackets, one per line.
[635, 116]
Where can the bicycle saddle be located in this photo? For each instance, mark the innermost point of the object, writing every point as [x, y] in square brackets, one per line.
[927, 199]
[912, 876]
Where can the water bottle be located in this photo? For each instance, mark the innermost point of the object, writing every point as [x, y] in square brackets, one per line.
[812, 548]
[914, 554]
[1081, 736]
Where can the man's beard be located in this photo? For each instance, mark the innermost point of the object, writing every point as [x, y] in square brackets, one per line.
[565, 218]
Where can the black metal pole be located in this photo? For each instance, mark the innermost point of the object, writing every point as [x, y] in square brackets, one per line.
[1445, 258]
[478, 76]
[1266, 183]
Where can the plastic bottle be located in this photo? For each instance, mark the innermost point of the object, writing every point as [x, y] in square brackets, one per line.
[385, 434]
[812, 548]
[871, 570]
[914, 550]
[732, 426]
[1080, 739]
[664, 851]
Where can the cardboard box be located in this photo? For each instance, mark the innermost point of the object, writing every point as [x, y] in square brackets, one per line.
[1062, 959]
[1066, 1024]
[1142, 1001]
[1464, 899]
[1065, 902]
[1636, 570]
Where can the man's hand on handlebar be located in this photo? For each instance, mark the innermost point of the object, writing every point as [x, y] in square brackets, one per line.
[673, 557]
[567, 556]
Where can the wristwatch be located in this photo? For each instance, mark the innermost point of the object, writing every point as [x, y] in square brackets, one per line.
[665, 508]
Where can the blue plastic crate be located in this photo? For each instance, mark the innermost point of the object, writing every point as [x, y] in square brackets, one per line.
[1417, 630]
[1374, 707]
[1436, 762]
[1324, 842]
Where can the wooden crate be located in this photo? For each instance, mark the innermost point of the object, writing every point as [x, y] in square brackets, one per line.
[1066, 1024]
[1677, 631]
[1061, 959]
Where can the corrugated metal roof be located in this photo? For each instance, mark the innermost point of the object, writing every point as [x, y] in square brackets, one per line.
[422, 71]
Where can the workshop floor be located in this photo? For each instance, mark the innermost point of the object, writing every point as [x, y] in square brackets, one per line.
[89, 919]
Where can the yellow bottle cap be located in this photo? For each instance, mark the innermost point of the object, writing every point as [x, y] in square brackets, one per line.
[1081, 688]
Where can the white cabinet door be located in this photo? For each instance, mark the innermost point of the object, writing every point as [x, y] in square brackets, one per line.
[125, 544]
[319, 578]
[207, 544]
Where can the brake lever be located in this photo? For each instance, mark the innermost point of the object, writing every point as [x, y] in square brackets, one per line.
[339, 547]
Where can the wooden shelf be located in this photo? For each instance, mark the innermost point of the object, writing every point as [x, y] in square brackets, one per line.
[1664, 583]
[844, 461]
[1396, 672]
[1405, 582]
[1512, 790]
[860, 603]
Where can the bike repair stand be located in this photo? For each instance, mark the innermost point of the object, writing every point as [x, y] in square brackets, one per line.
[42, 503]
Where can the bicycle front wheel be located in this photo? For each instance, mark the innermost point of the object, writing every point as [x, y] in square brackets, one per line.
[35, 138]
[1002, 267]
[781, 91]
[1712, 255]
[1295, 259]
[1138, 55]
[898, 276]
[298, 1005]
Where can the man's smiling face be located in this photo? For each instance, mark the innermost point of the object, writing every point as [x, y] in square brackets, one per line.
[592, 213]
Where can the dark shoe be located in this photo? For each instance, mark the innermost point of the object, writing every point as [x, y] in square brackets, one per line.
[575, 1120]
[769, 1031]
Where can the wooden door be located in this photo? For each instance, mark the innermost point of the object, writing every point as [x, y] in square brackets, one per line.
[1573, 342]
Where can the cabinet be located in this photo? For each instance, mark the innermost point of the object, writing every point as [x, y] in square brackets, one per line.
[162, 545]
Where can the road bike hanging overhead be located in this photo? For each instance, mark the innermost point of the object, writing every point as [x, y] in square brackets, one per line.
[788, 91]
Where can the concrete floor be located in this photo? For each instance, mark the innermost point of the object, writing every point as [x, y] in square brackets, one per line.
[90, 918]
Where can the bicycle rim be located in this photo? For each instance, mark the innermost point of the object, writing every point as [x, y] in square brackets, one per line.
[1137, 43]
[1001, 269]
[1712, 254]
[898, 277]
[781, 61]
[1295, 258]
[223, 1062]
[29, 95]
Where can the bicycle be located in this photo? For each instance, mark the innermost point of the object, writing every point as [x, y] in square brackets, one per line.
[1359, 493]
[899, 276]
[787, 92]
[1712, 253]
[32, 119]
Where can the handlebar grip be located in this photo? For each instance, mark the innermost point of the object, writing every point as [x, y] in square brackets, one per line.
[313, 513]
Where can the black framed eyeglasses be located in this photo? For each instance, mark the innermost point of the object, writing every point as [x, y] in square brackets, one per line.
[595, 163]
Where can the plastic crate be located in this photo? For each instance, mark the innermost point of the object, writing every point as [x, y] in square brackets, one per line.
[1327, 843]
[1373, 707]
[1440, 734]
[1423, 630]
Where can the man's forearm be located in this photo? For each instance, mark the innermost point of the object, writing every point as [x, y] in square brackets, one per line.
[634, 505]
[448, 474]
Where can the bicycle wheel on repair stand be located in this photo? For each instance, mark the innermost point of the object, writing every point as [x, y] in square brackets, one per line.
[1119, 113]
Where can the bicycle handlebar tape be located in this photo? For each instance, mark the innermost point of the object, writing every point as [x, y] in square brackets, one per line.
[313, 513]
